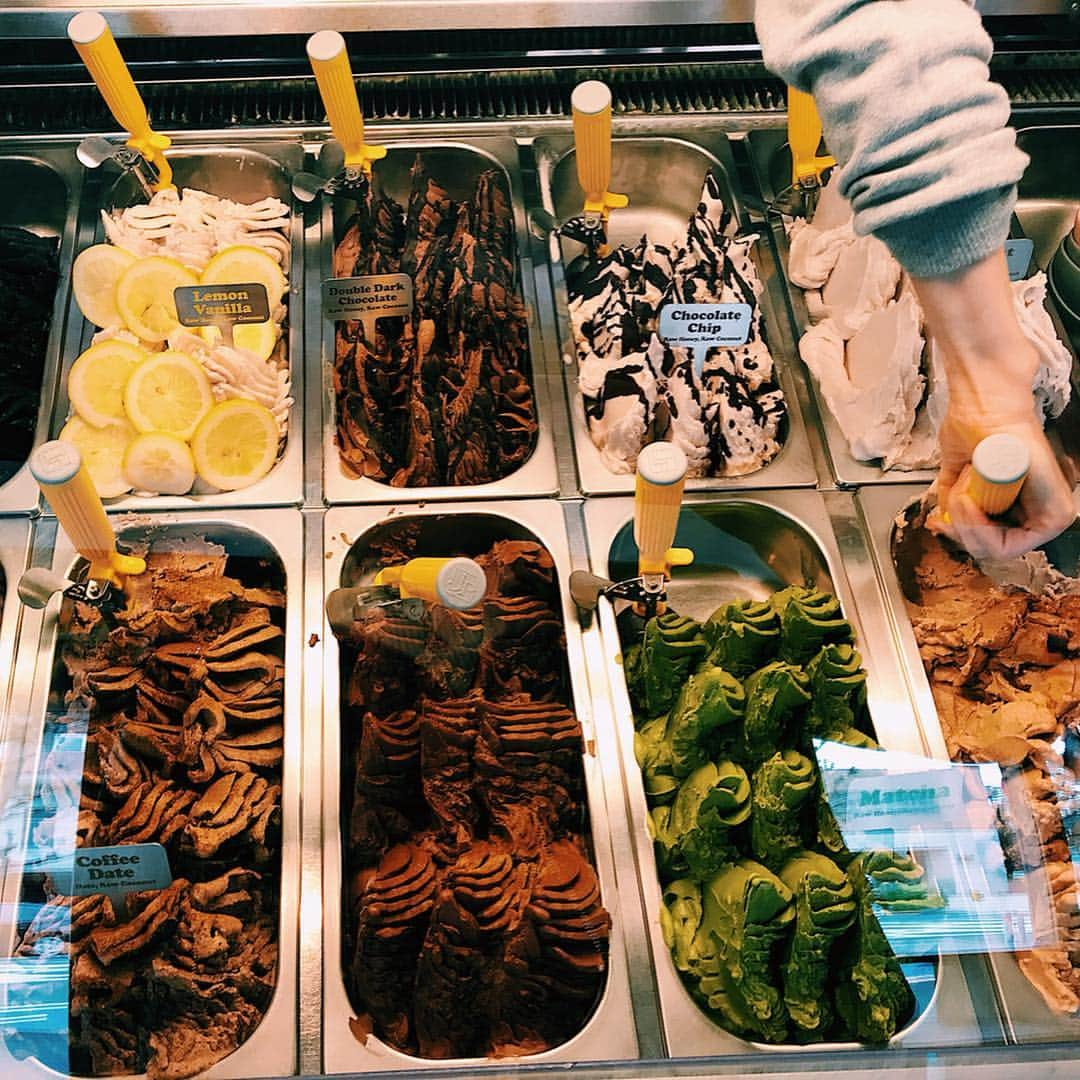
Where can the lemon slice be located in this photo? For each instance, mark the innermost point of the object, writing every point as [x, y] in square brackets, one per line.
[259, 338]
[236, 444]
[240, 264]
[168, 392]
[159, 463]
[102, 450]
[97, 380]
[94, 277]
[144, 296]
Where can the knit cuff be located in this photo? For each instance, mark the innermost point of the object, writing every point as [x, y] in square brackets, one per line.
[951, 237]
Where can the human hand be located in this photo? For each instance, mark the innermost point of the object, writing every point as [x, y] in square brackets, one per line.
[1045, 506]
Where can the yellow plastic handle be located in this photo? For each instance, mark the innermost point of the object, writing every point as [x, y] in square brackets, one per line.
[804, 137]
[454, 582]
[94, 42]
[590, 104]
[64, 480]
[999, 467]
[330, 61]
[658, 492]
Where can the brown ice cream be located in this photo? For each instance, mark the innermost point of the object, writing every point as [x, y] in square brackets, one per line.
[180, 695]
[442, 396]
[474, 920]
[1004, 668]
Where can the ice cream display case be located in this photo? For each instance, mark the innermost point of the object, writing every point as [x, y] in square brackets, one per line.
[430, 800]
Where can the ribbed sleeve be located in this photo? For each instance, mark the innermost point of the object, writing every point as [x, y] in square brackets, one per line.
[903, 87]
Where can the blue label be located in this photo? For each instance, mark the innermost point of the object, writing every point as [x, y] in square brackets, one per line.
[1018, 257]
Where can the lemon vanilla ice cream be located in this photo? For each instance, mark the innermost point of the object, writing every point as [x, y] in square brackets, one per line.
[158, 408]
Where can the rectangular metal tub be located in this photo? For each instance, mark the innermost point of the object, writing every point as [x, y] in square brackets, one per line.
[1045, 209]
[609, 1034]
[243, 170]
[272, 1048]
[40, 185]
[456, 165]
[785, 537]
[663, 175]
[771, 161]
[1026, 1016]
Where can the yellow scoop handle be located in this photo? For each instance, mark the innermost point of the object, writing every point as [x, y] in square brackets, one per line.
[454, 582]
[330, 61]
[94, 42]
[804, 137]
[999, 467]
[658, 492]
[590, 104]
[66, 484]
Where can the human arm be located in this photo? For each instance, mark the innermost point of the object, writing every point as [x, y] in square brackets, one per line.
[989, 365]
[930, 167]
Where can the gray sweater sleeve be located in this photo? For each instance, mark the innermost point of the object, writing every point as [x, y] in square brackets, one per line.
[903, 87]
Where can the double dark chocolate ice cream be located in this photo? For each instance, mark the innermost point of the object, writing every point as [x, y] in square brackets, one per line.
[442, 396]
[474, 922]
[177, 696]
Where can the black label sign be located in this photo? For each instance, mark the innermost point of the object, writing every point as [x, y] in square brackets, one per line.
[373, 296]
[214, 305]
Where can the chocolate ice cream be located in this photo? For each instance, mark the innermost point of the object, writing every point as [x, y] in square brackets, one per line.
[1004, 668]
[442, 396]
[178, 693]
[474, 923]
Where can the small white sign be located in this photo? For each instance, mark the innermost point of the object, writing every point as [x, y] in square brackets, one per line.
[119, 869]
[701, 327]
[1018, 257]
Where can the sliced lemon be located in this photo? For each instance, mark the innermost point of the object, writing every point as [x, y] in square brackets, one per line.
[236, 444]
[259, 338]
[97, 380]
[159, 463]
[144, 296]
[94, 278]
[168, 392]
[102, 450]
[240, 264]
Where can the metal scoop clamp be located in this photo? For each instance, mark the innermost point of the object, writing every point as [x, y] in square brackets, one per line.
[330, 62]
[808, 168]
[67, 486]
[144, 153]
[658, 492]
[590, 105]
[457, 583]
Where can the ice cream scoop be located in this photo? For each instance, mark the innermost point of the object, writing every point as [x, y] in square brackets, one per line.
[590, 104]
[808, 168]
[330, 62]
[93, 40]
[66, 484]
[454, 583]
